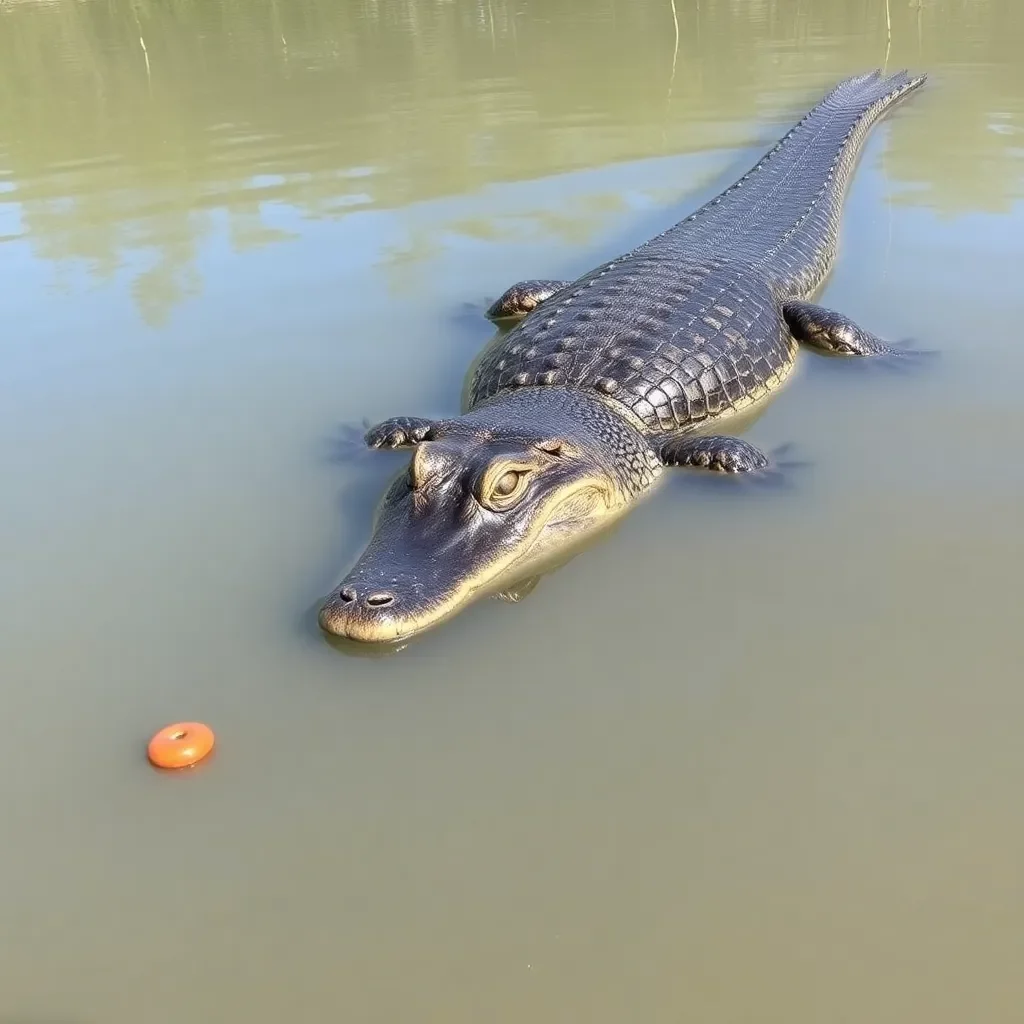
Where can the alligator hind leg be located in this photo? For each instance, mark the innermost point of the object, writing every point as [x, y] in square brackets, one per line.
[720, 453]
[522, 298]
[831, 332]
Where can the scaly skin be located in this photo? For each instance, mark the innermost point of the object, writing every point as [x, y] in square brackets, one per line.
[573, 414]
[692, 325]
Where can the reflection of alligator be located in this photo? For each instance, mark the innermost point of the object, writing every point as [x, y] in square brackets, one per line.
[573, 414]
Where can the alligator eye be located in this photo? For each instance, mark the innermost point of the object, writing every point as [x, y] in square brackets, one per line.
[506, 484]
[505, 491]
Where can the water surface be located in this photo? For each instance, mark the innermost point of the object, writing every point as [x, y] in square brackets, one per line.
[754, 757]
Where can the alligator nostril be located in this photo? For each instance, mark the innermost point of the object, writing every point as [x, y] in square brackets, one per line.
[347, 594]
[379, 600]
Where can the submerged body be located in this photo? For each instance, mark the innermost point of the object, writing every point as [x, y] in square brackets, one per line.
[576, 411]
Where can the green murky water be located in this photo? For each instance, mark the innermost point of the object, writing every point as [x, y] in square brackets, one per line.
[754, 757]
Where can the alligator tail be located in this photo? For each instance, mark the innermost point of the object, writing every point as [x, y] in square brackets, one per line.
[812, 162]
[838, 122]
[870, 95]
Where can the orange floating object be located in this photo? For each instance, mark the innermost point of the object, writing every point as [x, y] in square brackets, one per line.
[181, 745]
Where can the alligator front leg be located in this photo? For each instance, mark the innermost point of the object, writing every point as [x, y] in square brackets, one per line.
[399, 432]
[522, 298]
[717, 452]
[831, 332]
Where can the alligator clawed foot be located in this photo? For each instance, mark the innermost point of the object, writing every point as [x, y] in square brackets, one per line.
[727, 456]
[776, 474]
[353, 445]
[488, 312]
[399, 432]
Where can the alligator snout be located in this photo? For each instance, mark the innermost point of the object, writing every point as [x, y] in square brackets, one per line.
[362, 613]
[373, 599]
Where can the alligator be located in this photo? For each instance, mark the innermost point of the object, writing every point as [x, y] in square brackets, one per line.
[594, 387]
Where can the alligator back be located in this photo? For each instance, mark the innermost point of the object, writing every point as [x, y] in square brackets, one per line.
[676, 341]
[688, 327]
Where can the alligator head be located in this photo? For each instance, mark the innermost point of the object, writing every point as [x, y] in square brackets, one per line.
[487, 500]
